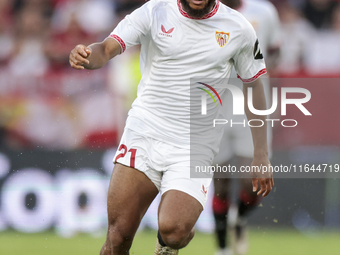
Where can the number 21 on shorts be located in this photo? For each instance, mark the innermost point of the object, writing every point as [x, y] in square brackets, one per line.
[123, 149]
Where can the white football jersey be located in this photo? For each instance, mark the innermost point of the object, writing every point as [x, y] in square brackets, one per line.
[263, 15]
[176, 48]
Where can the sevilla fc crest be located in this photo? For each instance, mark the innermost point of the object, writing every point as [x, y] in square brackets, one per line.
[222, 38]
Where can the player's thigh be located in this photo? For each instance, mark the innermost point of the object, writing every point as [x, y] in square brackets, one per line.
[130, 194]
[183, 199]
[178, 212]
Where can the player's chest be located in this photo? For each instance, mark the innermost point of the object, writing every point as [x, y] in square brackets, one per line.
[193, 40]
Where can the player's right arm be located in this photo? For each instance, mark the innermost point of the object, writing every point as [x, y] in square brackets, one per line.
[129, 32]
[95, 55]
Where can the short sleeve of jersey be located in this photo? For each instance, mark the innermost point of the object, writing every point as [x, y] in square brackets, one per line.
[248, 61]
[133, 27]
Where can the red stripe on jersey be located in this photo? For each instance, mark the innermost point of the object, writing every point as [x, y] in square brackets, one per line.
[262, 72]
[120, 41]
[209, 15]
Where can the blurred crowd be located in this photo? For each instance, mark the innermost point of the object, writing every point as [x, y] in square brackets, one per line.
[37, 35]
[310, 37]
[43, 103]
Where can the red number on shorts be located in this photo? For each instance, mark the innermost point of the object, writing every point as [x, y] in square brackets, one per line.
[122, 155]
[133, 156]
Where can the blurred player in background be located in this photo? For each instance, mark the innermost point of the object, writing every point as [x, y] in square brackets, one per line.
[237, 145]
[179, 41]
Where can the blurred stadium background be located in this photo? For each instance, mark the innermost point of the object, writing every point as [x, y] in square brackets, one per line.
[59, 129]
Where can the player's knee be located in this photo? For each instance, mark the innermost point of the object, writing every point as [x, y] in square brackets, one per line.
[176, 235]
[119, 237]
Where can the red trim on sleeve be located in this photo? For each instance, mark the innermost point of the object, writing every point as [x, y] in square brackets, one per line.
[120, 41]
[260, 73]
[209, 15]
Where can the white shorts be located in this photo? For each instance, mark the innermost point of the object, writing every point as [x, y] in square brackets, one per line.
[237, 140]
[167, 166]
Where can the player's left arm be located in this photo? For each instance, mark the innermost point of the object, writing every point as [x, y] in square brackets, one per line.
[250, 65]
[259, 134]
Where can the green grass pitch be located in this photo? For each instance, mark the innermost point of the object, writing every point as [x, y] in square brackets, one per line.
[262, 242]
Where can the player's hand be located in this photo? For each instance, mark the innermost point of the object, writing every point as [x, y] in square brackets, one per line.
[78, 57]
[262, 177]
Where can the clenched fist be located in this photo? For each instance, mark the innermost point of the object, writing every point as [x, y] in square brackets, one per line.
[78, 57]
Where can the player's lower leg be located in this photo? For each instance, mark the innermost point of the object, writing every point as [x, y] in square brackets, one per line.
[126, 207]
[220, 208]
[237, 221]
[118, 241]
